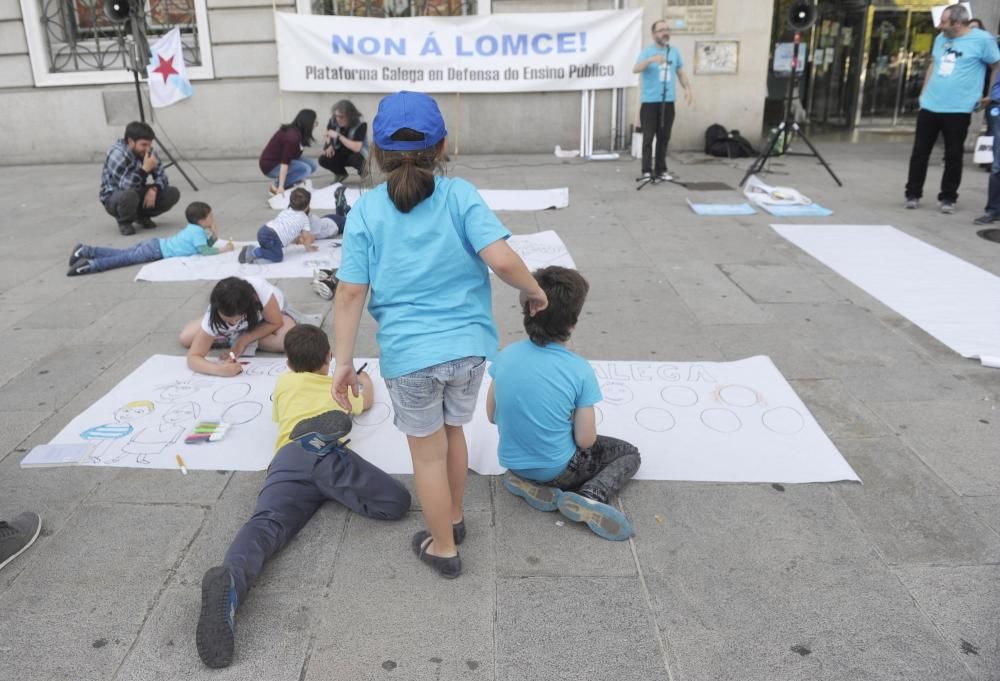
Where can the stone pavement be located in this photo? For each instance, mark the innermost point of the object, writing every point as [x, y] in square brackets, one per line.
[893, 579]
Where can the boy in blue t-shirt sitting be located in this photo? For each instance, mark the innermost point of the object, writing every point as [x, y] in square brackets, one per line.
[542, 401]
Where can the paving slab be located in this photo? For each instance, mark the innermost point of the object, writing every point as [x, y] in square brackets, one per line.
[908, 512]
[764, 584]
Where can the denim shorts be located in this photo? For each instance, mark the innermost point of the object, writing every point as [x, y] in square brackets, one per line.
[444, 394]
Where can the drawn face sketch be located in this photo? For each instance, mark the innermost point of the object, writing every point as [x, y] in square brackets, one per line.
[134, 410]
[178, 390]
[185, 411]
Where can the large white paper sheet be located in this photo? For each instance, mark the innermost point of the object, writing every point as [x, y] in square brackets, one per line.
[541, 250]
[298, 262]
[712, 421]
[496, 199]
[952, 300]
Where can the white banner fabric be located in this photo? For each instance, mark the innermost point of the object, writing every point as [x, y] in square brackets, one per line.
[707, 421]
[496, 199]
[492, 53]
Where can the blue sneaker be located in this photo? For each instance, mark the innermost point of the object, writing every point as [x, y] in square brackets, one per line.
[322, 434]
[538, 496]
[216, 624]
[605, 520]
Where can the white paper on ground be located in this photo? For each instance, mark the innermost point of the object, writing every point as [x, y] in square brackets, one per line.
[496, 199]
[764, 194]
[298, 262]
[541, 250]
[710, 421]
[721, 208]
[952, 300]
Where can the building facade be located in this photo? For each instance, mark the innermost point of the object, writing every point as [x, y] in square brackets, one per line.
[67, 90]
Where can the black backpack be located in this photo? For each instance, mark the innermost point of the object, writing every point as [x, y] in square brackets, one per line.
[727, 144]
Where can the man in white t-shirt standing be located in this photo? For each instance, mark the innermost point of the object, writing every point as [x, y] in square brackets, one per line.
[290, 227]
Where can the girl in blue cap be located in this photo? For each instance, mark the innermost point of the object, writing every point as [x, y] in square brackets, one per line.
[421, 244]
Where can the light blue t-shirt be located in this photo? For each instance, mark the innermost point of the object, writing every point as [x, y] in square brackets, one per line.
[654, 75]
[185, 242]
[959, 70]
[537, 389]
[430, 290]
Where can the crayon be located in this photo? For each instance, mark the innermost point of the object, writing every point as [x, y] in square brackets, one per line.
[180, 462]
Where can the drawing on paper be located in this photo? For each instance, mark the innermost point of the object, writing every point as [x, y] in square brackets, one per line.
[106, 433]
[152, 440]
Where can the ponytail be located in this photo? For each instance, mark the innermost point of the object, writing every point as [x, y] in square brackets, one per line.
[409, 174]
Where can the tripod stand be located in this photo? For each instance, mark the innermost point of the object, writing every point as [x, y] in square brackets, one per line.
[788, 127]
[132, 50]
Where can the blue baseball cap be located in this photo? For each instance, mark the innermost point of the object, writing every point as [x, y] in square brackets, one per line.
[413, 110]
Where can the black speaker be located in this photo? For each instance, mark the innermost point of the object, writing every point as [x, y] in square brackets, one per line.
[117, 11]
[801, 15]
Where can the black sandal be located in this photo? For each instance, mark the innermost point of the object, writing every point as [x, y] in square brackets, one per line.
[449, 568]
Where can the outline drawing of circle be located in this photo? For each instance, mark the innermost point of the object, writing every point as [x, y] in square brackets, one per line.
[379, 413]
[619, 393]
[598, 416]
[255, 370]
[738, 396]
[277, 369]
[721, 420]
[231, 392]
[241, 412]
[679, 396]
[783, 420]
[655, 419]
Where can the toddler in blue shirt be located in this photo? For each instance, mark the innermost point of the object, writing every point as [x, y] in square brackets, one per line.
[198, 238]
[542, 400]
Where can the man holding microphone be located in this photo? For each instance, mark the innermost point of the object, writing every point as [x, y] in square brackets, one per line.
[660, 66]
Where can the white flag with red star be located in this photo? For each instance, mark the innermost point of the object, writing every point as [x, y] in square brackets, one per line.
[168, 81]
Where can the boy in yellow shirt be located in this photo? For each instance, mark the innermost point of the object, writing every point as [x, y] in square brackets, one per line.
[302, 476]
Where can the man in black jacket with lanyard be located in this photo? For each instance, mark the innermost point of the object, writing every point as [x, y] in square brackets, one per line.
[660, 65]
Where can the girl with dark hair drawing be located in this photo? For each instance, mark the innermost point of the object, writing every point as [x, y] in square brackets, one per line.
[421, 245]
[243, 314]
[282, 157]
[346, 141]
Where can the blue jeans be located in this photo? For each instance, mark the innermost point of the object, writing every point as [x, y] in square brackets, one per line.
[110, 258]
[298, 170]
[297, 484]
[270, 245]
[993, 126]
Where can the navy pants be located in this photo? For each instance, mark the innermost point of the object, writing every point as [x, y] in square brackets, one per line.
[297, 484]
[270, 245]
[993, 123]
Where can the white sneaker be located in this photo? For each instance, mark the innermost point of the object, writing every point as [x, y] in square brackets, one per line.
[947, 207]
[664, 176]
[910, 204]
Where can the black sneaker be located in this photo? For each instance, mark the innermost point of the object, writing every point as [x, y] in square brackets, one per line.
[337, 177]
[322, 434]
[986, 219]
[77, 254]
[146, 222]
[341, 200]
[80, 267]
[126, 229]
[17, 535]
[216, 631]
[246, 254]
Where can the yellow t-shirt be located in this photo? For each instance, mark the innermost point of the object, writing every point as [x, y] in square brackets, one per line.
[299, 396]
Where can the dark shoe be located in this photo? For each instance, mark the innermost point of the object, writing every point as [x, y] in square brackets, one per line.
[322, 434]
[341, 200]
[80, 267]
[606, 521]
[246, 254]
[216, 624]
[458, 531]
[449, 568]
[986, 219]
[146, 222]
[77, 254]
[17, 535]
[126, 229]
[337, 177]
[538, 496]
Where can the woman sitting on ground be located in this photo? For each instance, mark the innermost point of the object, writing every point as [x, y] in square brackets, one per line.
[346, 141]
[282, 157]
